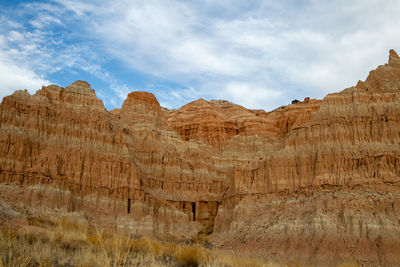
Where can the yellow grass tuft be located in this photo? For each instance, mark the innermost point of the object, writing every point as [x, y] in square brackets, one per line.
[191, 256]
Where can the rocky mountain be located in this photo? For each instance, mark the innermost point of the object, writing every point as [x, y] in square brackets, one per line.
[316, 181]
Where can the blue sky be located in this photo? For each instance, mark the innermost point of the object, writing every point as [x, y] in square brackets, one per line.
[259, 54]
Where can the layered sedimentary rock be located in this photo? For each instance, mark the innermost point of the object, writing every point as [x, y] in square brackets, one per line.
[333, 185]
[317, 179]
[64, 136]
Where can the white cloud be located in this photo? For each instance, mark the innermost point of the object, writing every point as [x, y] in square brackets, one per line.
[251, 96]
[30, 50]
[316, 46]
[44, 20]
[78, 7]
[254, 53]
[15, 36]
[16, 72]
[122, 91]
[13, 76]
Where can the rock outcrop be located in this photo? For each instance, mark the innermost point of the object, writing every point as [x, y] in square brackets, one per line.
[316, 181]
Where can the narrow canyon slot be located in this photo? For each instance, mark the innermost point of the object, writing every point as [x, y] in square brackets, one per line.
[194, 211]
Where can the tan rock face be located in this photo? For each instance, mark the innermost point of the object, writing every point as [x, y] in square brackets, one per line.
[64, 136]
[317, 172]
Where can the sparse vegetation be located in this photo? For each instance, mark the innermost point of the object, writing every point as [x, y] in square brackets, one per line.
[72, 241]
[64, 241]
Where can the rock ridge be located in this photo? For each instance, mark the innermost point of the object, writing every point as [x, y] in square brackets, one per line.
[317, 172]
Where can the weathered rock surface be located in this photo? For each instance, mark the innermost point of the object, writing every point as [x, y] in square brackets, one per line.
[316, 181]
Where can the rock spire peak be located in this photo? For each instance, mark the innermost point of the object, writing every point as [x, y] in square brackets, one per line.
[394, 59]
[393, 54]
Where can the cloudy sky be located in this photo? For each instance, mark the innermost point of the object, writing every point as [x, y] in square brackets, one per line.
[259, 54]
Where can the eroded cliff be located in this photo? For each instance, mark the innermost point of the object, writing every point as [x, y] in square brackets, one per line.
[319, 172]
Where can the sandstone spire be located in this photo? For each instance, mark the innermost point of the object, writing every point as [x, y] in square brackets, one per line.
[394, 59]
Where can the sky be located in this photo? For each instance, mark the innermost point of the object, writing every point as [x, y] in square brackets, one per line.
[258, 54]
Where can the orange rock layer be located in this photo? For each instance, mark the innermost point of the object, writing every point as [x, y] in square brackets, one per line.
[322, 173]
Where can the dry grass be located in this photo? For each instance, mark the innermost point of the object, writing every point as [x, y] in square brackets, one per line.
[62, 241]
[65, 241]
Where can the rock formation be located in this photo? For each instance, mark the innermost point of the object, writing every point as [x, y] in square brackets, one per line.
[316, 181]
